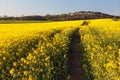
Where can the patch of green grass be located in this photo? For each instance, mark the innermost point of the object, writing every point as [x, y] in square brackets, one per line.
[21, 21]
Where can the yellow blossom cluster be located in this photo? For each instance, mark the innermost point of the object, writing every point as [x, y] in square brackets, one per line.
[39, 51]
[101, 54]
[34, 52]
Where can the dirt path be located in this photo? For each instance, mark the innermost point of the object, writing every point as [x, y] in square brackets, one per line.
[75, 68]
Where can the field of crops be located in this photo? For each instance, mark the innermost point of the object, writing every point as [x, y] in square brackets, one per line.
[40, 51]
[101, 50]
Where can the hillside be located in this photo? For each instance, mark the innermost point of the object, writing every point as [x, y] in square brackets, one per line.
[63, 17]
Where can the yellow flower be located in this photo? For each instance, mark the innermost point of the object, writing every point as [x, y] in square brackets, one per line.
[4, 58]
[30, 56]
[30, 77]
[33, 69]
[0, 63]
[109, 47]
[25, 73]
[35, 52]
[15, 64]
[12, 71]
[47, 58]
[65, 56]
[22, 59]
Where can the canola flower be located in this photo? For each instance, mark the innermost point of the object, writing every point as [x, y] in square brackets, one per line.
[101, 42]
[39, 51]
[12, 71]
[34, 51]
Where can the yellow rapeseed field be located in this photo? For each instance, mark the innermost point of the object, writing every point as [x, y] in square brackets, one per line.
[40, 51]
[35, 51]
[101, 44]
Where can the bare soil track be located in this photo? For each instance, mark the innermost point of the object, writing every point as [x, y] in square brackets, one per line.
[75, 67]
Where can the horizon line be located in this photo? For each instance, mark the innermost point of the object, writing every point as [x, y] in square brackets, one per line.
[59, 14]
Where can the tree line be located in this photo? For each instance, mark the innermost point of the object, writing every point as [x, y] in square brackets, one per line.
[63, 17]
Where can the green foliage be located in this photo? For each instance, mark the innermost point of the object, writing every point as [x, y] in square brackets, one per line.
[21, 21]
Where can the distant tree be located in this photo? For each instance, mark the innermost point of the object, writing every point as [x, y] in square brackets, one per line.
[22, 17]
[5, 17]
[49, 17]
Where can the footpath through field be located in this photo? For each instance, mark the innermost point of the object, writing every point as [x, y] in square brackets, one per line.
[75, 68]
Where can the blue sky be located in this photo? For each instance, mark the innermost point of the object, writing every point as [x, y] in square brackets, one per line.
[43, 7]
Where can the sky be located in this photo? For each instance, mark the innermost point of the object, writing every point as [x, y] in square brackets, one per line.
[43, 7]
